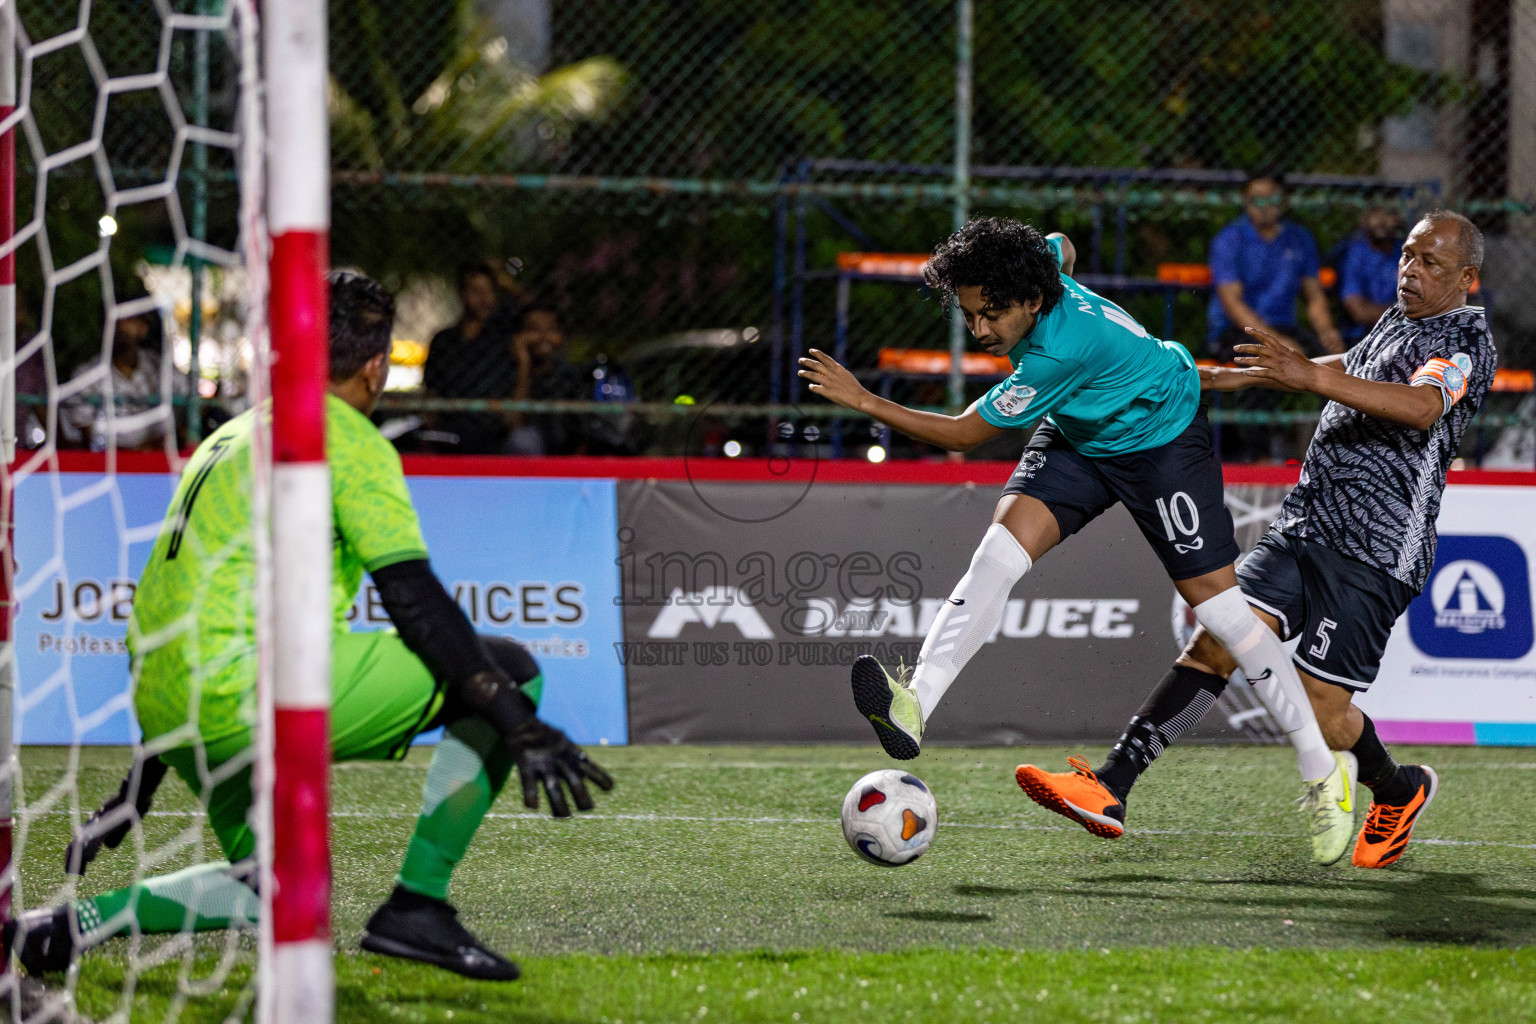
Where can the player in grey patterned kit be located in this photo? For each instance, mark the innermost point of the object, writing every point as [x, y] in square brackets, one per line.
[1355, 539]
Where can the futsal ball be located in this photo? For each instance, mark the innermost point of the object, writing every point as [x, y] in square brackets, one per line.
[889, 817]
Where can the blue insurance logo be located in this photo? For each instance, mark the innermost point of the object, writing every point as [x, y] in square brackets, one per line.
[1478, 602]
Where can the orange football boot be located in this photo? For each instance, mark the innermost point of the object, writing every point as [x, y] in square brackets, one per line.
[1078, 795]
[1388, 826]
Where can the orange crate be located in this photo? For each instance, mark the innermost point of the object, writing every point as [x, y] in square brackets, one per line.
[891, 264]
[1514, 380]
[1198, 275]
[936, 361]
[1191, 275]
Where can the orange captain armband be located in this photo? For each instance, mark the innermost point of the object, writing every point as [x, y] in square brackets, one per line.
[1449, 375]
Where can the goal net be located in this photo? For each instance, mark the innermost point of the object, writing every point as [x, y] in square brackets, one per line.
[135, 239]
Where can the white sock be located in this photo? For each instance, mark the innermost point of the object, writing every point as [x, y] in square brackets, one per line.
[1259, 654]
[970, 616]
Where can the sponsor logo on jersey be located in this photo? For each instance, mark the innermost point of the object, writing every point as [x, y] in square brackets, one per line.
[1463, 363]
[1478, 602]
[1013, 399]
[1454, 378]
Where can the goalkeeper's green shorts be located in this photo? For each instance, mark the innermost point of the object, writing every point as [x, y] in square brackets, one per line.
[382, 697]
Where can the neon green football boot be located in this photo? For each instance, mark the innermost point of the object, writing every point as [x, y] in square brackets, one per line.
[890, 704]
[1330, 805]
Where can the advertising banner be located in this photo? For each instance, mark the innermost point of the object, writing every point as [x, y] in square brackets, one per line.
[1460, 667]
[745, 605]
[527, 558]
[677, 610]
[81, 542]
[1461, 664]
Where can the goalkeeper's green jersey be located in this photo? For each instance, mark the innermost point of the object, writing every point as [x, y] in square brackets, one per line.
[192, 634]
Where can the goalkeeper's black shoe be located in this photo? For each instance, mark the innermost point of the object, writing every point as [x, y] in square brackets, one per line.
[41, 940]
[417, 927]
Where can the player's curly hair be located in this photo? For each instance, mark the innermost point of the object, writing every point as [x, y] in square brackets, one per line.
[362, 320]
[1012, 262]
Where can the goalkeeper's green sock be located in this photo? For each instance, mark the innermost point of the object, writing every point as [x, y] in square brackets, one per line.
[468, 770]
[205, 897]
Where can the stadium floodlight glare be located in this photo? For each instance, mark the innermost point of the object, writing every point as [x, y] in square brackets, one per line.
[732, 449]
[107, 226]
[875, 453]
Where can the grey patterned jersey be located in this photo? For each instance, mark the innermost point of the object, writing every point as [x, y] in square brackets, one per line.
[1370, 489]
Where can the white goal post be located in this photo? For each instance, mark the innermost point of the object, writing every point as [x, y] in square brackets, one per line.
[296, 918]
[273, 246]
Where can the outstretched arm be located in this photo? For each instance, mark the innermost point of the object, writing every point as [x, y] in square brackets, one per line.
[438, 632]
[1411, 405]
[832, 381]
[1232, 378]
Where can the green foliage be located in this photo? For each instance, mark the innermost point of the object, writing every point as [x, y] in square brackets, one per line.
[720, 89]
[727, 89]
[386, 53]
[724, 89]
[456, 102]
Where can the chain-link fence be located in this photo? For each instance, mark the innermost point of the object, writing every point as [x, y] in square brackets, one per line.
[674, 180]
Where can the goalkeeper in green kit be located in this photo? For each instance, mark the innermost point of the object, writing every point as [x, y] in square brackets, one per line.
[193, 642]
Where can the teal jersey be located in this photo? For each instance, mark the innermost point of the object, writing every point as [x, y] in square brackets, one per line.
[1092, 370]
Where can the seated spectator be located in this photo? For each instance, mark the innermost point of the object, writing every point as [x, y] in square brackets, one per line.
[545, 374]
[469, 359]
[1259, 264]
[140, 393]
[1368, 271]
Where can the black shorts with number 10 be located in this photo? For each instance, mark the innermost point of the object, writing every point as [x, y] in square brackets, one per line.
[1174, 492]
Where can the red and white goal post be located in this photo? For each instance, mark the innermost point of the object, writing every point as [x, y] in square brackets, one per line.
[279, 149]
[296, 913]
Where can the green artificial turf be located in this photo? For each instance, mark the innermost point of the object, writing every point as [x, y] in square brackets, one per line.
[725, 866]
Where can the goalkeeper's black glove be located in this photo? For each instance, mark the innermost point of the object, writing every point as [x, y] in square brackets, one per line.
[546, 757]
[113, 820]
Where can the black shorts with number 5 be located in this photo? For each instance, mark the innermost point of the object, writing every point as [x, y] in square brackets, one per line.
[1174, 492]
[1342, 609]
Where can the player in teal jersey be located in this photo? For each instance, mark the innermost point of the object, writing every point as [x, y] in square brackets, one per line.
[1092, 370]
[1120, 422]
[192, 637]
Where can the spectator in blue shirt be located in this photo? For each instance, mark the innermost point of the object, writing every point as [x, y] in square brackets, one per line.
[1368, 272]
[1259, 264]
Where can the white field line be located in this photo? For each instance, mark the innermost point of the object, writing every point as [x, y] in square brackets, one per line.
[803, 766]
[829, 822]
[667, 765]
